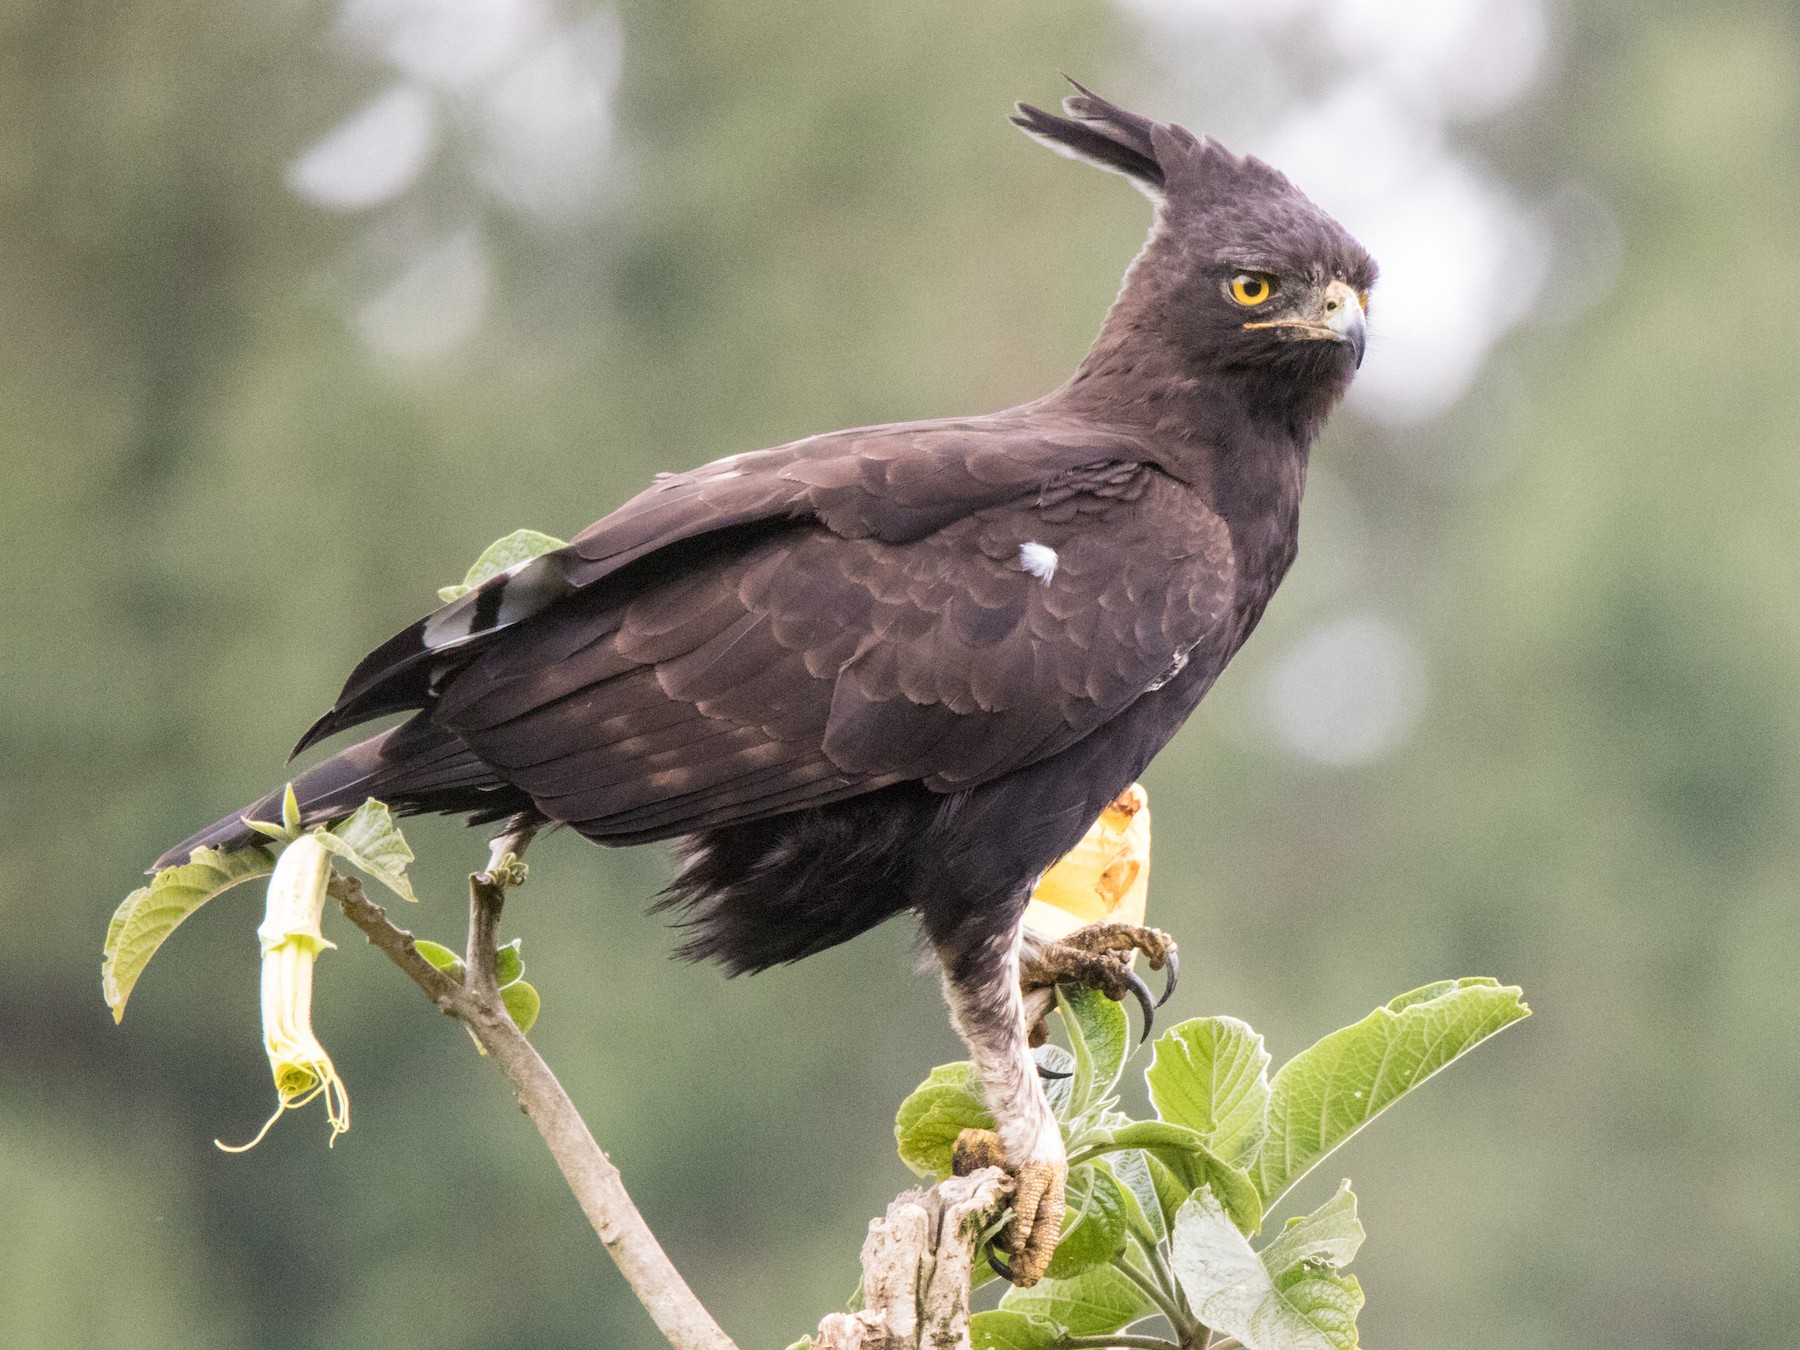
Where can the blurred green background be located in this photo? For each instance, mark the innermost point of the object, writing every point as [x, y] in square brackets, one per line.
[301, 305]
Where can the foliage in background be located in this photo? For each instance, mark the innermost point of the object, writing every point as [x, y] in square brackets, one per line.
[1162, 1212]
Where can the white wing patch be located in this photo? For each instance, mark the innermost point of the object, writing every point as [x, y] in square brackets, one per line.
[1039, 560]
[1176, 666]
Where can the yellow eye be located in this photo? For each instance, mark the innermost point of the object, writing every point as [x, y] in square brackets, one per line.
[1252, 288]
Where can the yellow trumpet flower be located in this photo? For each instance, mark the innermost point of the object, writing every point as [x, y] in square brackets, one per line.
[291, 940]
[1103, 879]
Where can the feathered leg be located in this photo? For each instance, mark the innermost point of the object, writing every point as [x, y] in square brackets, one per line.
[987, 1009]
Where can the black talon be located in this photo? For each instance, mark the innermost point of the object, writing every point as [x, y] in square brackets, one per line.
[1000, 1268]
[1052, 1074]
[1173, 962]
[1141, 992]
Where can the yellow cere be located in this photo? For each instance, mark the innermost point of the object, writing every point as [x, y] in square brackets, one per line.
[1103, 879]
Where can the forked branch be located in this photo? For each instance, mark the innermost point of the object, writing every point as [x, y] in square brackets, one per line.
[918, 1257]
[597, 1185]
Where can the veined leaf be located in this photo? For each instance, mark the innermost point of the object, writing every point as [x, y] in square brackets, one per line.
[370, 841]
[1011, 1331]
[1231, 1291]
[1093, 1303]
[942, 1107]
[1130, 1167]
[149, 914]
[1330, 1236]
[1099, 1036]
[1328, 1300]
[1186, 1155]
[1093, 1224]
[1211, 1075]
[521, 546]
[1058, 1091]
[1327, 1093]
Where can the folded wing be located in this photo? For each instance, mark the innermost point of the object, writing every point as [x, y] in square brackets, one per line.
[803, 667]
[941, 602]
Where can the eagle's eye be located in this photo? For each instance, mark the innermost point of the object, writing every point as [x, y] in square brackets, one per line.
[1252, 288]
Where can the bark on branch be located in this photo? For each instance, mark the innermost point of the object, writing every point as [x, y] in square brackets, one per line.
[599, 1189]
[916, 1262]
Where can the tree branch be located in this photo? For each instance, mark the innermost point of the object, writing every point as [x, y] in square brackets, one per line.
[916, 1267]
[598, 1187]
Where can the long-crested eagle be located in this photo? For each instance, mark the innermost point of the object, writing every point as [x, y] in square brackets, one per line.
[906, 666]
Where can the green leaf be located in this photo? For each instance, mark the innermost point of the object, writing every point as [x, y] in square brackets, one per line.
[371, 842]
[522, 1003]
[508, 964]
[521, 546]
[1186, 1155]
[1230, 1290]
[440, 956]
[1093, 1303]
[1093, 1224]
[1144, 1209]
[1011, 1331]
[288, 828]
[146, 917]
[1330, 1236]
[1211, 1075]
[1059, 1092]
[1325, 1094]
[1328, 1300]
[942, 1107]
[1099, 1037]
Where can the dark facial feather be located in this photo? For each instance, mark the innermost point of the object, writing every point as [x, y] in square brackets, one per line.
[1219, 214]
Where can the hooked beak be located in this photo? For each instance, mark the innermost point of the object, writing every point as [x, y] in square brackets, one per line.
[1340, 319]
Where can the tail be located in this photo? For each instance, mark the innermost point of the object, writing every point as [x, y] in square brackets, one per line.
[416, 768]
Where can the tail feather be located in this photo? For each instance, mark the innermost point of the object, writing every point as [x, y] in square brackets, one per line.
[415, 768]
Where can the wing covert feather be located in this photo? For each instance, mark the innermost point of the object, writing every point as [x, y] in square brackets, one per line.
[811, 666]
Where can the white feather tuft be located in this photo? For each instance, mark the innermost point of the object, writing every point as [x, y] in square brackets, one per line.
[1039, 560]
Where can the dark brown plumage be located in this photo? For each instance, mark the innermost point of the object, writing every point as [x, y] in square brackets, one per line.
[905, 667]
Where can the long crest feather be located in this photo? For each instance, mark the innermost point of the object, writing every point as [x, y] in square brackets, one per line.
[1100, 132]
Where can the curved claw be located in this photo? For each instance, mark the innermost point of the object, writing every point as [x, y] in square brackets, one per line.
[1173, 962]
[1000, 1268]
[1141, 992]
[1052, 1074]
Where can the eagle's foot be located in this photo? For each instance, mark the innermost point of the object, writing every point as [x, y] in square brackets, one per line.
[1099, 956]
[1037, 1203]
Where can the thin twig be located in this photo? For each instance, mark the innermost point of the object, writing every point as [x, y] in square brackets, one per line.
[1117, 1339]
[396, 944]
[599, 1189]
[486, 899]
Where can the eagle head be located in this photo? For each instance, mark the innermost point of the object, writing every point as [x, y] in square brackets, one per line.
[1244, 277]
